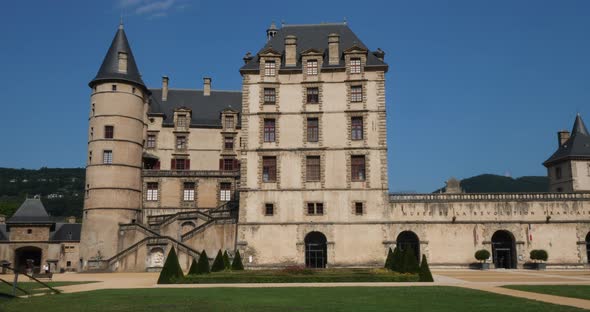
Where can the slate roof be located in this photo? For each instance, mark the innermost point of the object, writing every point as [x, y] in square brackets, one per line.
[206, 110]
[67, 232]
[314, 37]
[576, 147]
[31, 211]
[109, 70]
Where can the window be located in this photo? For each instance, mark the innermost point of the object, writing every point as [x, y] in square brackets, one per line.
[225, 191]
[152, 191]
[133, 90]
[29, 231]
[68, 264]
[269, 68]
[355, 65]
[107, 157]
[313, 95]
[229, 122]
[109, 132]
[269, 169]
[269, 130]
[558, 173]
[358, 167]
[312, 172]
[269, 209]
[356, 94]
[315, 208]
[93, 108]
[313, 130]
[114, 87]
[228, 143]
[188, 193]
[270, 95]
[180, 164]
[180, 142]
[358, 208]
[182, 121]
[356, 128]
[228, 164]
[312, 67]
[151, 141]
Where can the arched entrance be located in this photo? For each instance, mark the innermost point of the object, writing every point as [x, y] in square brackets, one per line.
[588, 247]
[28, 258]
[316, 250]
[504, 250]
[409, 239]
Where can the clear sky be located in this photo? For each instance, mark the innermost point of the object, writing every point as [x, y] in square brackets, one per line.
[473, 86]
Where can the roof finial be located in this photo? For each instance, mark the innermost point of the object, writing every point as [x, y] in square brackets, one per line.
[121, 22]
[345, 22]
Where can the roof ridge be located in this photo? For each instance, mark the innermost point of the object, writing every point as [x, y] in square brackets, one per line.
[320, 24]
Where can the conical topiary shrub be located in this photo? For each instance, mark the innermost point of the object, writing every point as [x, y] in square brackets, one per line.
[425, 275]
[410, 264]
[226, 262]
[171, 272]
[396, 260]
[389, 259]
[218, 263]
[203, 264]
[193, 268]
[237, 265]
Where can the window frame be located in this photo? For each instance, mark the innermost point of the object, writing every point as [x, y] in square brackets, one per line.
[225, 191]
[182, 121]
[312, 70]
[270, 96]
[269, 133]
[269, 209]
[356, 94]
[359, 208]
[313, 129]
[313, 168]
[355, 65]
[151, 143]
[181, 142]
[357, 124]
[188, 191]
[107, 157]
[269, 169]
[109, 132]
[151, 191]
[228, 142]
[313, 95]
[270, 68]
[358, 168]
[229, 122]
[315, 209]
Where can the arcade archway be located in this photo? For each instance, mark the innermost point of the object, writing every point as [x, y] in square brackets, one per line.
[28, 258]
[504, 250]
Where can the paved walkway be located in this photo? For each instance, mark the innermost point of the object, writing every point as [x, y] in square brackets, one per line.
[490, 281]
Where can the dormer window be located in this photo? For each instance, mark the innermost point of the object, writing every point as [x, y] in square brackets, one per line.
[312, 67]
[122, 62]
[229, 122]
[355, 65]
[182, 121]
[270, 68]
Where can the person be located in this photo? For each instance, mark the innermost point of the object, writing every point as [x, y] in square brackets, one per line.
[46, 268]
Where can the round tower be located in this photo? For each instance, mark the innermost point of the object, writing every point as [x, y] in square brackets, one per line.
[115, 145]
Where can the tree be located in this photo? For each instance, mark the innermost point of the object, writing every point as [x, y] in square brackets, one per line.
[397, 260]
[193, 268]
[425, 275]
[237, 263]
[410, 264]
[389, 259]
[218, 263]
[203, 264]
[171, 272]
[482, 255]
[226, 262]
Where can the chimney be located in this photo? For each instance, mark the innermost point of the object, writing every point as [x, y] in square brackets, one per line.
[206, 86]
[247, 58]
[290, 50]
[71, 219]
[165, 80]
[562, 136]
[380, 54]
[333, 49]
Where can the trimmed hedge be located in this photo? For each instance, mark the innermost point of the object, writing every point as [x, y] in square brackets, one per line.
[226, 262]
[237, 263]
[539, 255]
[389, 260]
[425, 275]
[482, 255]
[397, 261]
[203, 264]
[171, 272]
[218, 263]
[193, 268]
[410, 264]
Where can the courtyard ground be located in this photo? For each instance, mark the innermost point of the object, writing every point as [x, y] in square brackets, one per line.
[461, 285]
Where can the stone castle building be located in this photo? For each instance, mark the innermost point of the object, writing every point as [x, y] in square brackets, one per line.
[292, 170]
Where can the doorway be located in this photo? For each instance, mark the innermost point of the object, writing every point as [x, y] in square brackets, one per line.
[504, 250]
[316, 250]
[28, 259]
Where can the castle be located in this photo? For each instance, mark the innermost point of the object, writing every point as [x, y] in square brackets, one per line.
[292, 170]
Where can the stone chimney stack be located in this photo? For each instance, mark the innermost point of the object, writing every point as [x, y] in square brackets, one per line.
[165, 81]
[71, 219]
[207, 86]
[562, 136]
[333, 49]
[290, 50]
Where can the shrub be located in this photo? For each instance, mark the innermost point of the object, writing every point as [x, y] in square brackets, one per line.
[482, 255]
[237, 263]
[409, 264]
[226, 262]
[397, 260]
[193, 268]
[389, 259]
[297, 270]
[171, 270]
[203, 264]
[218, 263]
[425, 275]
[539, 255]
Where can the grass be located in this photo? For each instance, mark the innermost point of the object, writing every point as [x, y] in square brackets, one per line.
[299, 275]
[430, 298]
[34, 287]
[572, 291]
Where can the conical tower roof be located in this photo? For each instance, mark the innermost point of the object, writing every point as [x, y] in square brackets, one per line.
[577, 147]
[109, 70]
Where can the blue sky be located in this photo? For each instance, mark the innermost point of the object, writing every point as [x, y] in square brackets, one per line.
[473, 87]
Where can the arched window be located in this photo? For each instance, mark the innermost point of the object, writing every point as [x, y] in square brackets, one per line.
[316, 251]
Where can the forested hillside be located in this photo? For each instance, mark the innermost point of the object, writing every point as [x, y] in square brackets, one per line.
[491, 183]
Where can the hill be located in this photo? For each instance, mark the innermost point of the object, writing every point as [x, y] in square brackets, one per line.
[61, 189]
[491, 183]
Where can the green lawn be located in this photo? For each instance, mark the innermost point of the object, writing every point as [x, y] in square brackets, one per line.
[300, 276]
[573, 291]
[429, 298]
[34, 287]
